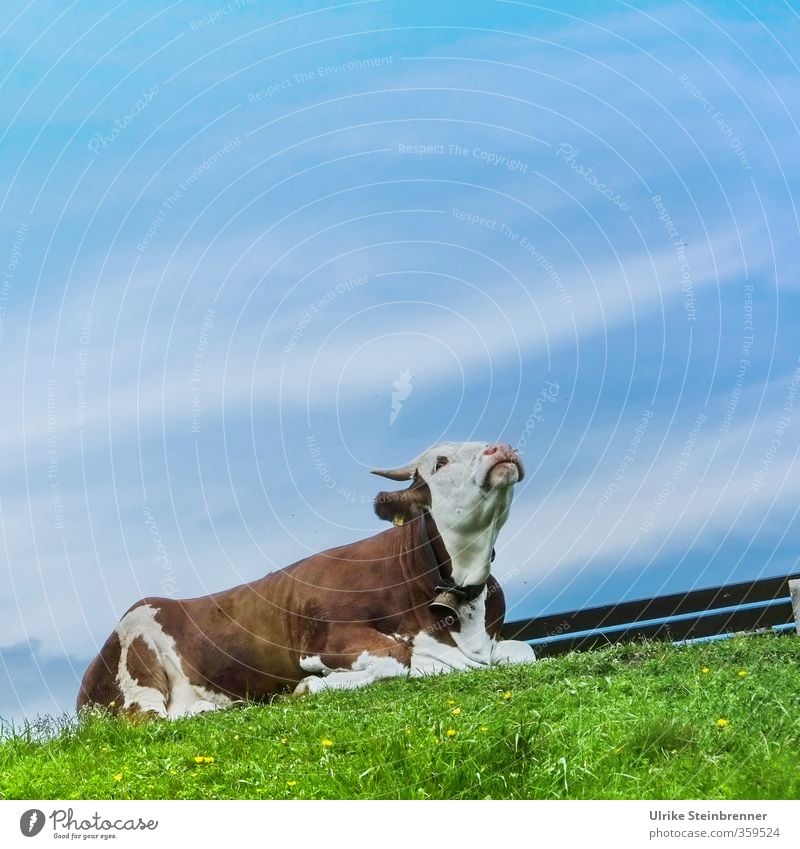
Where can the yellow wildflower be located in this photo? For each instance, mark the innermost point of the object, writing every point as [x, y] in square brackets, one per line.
[722, 723]
[742, 673]
[451, 732]
[291, 783]
[326, 743]
[203, 759]
[451, 701]
[118, 776]
[507, 695]
[484, 728]
[705, 670]
[456, 711]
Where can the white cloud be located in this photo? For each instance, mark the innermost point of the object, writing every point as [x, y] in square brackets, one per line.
[663, 504]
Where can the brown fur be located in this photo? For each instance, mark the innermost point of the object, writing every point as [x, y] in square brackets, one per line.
[404, 504]
[246, 642]
[99, 685]
[145, 668]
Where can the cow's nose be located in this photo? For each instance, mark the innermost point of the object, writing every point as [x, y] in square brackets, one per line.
[503, 448]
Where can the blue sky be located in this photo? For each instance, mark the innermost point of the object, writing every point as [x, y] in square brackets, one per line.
[228, 230]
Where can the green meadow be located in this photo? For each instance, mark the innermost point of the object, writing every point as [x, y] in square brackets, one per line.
[718, 720]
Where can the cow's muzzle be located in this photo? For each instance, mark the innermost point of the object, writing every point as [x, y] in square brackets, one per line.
[496, 456]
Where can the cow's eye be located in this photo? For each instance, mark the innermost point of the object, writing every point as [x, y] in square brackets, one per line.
[440, 461]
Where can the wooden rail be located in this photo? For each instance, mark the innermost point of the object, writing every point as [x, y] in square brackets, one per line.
[765, 604]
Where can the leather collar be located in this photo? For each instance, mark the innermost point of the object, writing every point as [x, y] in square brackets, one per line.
[449, 595]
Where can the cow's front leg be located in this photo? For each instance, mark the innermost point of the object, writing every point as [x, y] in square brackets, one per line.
[512, 651]
[356, 657]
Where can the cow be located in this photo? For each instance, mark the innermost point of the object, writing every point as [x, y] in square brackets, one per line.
[417, 599]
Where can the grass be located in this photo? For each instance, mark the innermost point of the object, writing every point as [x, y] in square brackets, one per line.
[714, 721]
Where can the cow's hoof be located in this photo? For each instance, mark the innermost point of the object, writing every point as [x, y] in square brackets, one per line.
[311, 684]
[199, 706]
[512, 651]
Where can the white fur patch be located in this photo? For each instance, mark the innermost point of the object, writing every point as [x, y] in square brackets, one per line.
[512, 651]
[314, 664]
[473, 646]
[472, 649]
[147, 698]
[183, 697]
[432, 657]
[365, 670]
[469, 505]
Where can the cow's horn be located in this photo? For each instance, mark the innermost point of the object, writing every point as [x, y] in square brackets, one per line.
[404, 473]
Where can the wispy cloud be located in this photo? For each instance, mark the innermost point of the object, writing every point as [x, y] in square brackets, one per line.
[237, 374]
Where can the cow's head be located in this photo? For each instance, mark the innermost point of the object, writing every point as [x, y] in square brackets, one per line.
[467, 487]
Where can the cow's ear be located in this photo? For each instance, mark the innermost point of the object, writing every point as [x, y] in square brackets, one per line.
[403, 505]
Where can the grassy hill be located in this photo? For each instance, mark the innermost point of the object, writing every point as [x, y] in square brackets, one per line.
[720, 720]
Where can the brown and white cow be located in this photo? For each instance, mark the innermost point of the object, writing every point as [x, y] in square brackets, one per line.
[417, 599]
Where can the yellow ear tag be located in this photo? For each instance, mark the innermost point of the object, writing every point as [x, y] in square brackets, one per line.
[398, 520]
